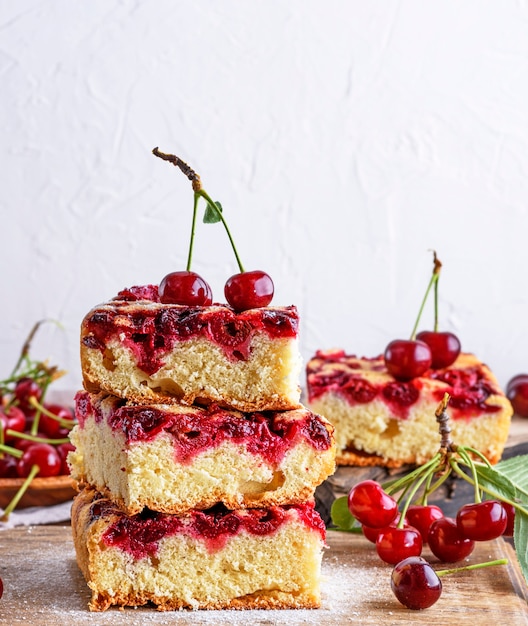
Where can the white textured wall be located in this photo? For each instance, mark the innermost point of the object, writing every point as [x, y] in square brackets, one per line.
[345, 140]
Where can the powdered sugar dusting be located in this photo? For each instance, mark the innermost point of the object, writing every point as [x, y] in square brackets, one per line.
[42, 584]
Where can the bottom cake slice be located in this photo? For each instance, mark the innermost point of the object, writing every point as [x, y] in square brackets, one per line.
[215, 559]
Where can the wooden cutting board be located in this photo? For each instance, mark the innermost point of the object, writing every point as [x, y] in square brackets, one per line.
[42, 585]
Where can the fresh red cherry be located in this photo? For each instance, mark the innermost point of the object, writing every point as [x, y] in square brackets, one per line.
[447, 542]
[415, 583]
[44, 456]
[249, 290]
[406, 359]
[517, 393]
[1, 588]
[8, 466]
[64, 449]
[187, 288]
[445, 347]
[12, 418]
[371, 534]
[421, 516]
[395, 544]
[482, 521]
[510, 526]
[370, 505]
[25, 389]
[51, 427]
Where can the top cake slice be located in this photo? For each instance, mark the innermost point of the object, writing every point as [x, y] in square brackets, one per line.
[380, 421]
[137, 348]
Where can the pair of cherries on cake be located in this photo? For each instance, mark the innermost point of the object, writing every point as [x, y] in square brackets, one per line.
[406, 359]
[243, 291]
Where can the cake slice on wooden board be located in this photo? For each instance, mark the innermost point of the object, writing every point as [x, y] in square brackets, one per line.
[216, 559]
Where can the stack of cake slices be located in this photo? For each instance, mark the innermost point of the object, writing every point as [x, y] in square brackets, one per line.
[196, 463]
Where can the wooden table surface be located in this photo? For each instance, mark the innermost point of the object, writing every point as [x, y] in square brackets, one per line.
[42, 585]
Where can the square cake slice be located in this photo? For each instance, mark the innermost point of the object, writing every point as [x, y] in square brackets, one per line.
[381, 421]
[171, 458]
[137, 348]
[215, 559]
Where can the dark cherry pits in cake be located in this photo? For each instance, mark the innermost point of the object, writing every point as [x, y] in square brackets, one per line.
[186, 288]
[139, 535]
[445, 347]
[249, 290]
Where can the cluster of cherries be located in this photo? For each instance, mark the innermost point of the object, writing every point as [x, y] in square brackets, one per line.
[34, 434]
[243, 291]
[406, 359]
[400, 542]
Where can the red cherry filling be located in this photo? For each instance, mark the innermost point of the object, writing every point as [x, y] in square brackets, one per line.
[445, 347]
[517, 393]
[406, 359]
[139, 535]
[249, 290]
[186, 288]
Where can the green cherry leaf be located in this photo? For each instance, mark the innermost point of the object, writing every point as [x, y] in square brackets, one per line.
[509, 480]
[497, 482]
[211, 215]
[516, 469]
[341, 516]
[520, 540]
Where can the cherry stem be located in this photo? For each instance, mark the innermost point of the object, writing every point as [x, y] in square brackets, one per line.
[198, 192]
[442, 417]
[495, 495]
[463, 568]
[4, 449]
[434, 279]
[428, 468]
[193, 229]
[21, 491]
[37, 405]
[24, 353]
[416, 486]
[36, 439]
[212, 204]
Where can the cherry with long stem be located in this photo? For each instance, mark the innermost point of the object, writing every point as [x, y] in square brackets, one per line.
[243, 290]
